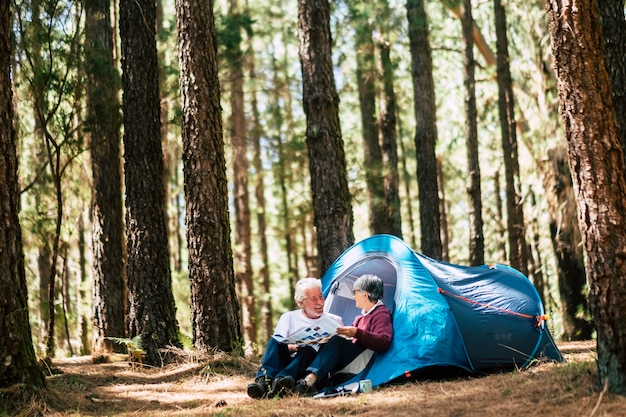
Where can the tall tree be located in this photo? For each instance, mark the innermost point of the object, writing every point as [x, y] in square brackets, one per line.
[425, 128]
[366, 79]
[389, 143]
[474, 195]
[214, 304]
[332, 207]
[151, 310]
[103, 126]
[240, 168]
[596, 159]
[518, 255]
[18, 363]
[266, 321]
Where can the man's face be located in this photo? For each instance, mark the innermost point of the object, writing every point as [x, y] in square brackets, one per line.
[313, 305]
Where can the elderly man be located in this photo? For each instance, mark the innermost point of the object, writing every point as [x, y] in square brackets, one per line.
[284, 361]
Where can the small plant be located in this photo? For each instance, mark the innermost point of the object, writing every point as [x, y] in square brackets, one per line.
[134, 347]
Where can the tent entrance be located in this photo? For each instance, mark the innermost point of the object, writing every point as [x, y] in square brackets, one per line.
[340, 300]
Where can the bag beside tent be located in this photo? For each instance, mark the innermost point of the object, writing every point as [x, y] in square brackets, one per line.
[444, 315]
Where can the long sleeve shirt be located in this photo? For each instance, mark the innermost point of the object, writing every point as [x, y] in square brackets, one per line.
[374, 330]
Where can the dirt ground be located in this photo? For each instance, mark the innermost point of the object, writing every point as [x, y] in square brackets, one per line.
[216, 386]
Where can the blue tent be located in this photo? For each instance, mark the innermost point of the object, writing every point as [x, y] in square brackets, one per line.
[470, 318]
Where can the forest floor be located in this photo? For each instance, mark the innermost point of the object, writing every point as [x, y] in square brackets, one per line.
[216, 386]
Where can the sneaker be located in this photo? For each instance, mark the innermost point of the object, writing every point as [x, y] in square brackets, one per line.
[305, 390]
[283, 385]
[259, 388]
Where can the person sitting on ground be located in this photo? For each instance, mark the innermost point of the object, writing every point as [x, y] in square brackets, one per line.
[372, 330]
[284, 363]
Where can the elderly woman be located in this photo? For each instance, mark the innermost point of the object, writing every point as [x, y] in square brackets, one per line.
[371, 330]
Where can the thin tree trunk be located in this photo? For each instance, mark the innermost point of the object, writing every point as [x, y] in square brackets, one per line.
[476, 237]
[518, 256]
[389, 144]
[241, 194]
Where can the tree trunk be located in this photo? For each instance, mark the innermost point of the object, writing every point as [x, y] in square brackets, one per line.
[614, 32]
[474, 195]
[327, 163]
[214, 304]
[103, 126]
[566, 241]
[596, 159]
[426, 128]
[266, 322]
[366, 85]
[241, 194]
[518, 256]
[389, 136]
[18, 363]
[151, 310]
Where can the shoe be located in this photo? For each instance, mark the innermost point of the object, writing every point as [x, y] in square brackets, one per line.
[305, 390]
[283, 385]
[259, 388]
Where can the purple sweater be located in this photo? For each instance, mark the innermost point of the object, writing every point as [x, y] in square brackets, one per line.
[374, 330]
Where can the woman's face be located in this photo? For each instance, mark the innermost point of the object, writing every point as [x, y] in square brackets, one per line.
[360, 298]
[313, 305]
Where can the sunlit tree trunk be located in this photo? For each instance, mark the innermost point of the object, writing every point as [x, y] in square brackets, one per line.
[266, 322]
[389, 137]
[596, 159]
[214, 303]
[240, 167]
[475, 207]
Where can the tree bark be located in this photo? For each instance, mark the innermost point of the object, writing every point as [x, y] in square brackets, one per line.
[103, 127]
[18, 363]
[214, 304]
[151, 310]
[474, 195]
[426, 128]
[596, 159]
[518, 256]
[332, 205]
[614, 32]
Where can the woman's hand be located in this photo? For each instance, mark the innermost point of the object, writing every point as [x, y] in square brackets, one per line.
[293, 348]
[347, 331]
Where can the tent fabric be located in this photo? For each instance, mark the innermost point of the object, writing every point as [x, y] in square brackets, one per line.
[444, 315]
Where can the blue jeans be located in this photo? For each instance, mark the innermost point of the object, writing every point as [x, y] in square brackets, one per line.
[338, 353]
[277, 360]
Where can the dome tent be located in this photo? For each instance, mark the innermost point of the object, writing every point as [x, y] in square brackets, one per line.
[471, 318]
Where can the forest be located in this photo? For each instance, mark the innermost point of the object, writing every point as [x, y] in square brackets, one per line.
[171, 169]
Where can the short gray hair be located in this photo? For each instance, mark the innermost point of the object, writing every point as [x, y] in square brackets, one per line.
[371, 284]
[303, 285]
